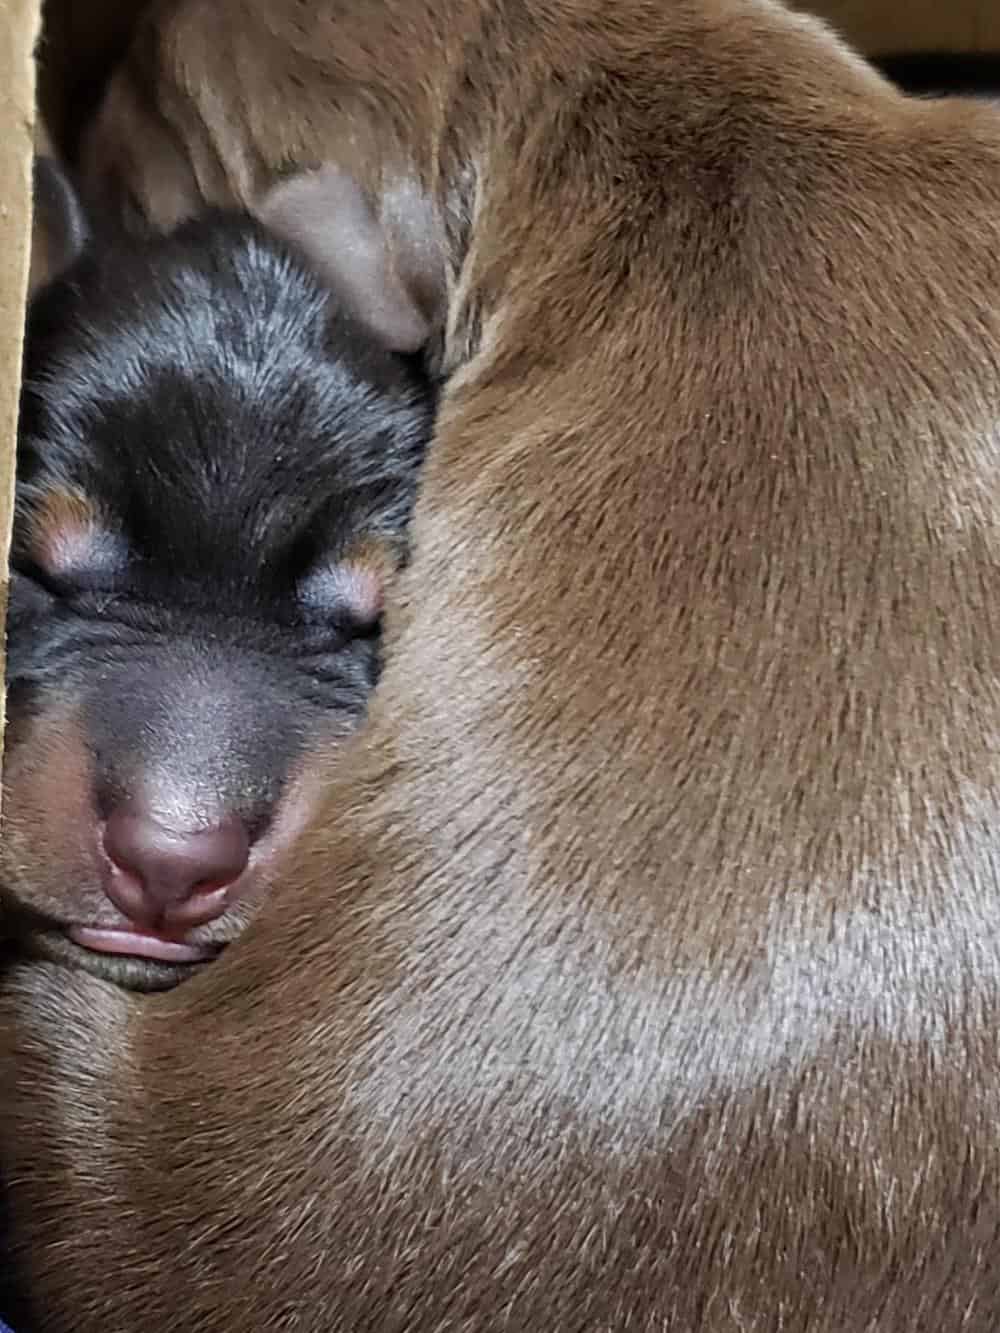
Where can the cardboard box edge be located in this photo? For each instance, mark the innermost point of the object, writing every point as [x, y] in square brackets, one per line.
[18, 36]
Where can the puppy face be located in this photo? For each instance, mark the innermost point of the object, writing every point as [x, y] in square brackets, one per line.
[215, 473]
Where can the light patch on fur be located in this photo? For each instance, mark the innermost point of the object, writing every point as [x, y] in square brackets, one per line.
[329, 218]
[70, 534]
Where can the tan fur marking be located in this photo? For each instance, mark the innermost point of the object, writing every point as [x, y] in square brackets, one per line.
[63, 523]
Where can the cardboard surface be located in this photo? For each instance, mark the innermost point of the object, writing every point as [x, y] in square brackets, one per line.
[19, 20]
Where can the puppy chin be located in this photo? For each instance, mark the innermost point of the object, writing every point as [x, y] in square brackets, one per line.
[125, 970]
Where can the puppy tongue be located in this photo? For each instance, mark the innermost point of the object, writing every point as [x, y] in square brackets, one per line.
[140, 944]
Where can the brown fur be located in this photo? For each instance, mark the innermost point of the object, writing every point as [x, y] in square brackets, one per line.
[60, 519]
[643, 972]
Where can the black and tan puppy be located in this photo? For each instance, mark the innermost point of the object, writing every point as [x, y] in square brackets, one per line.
[640, 973]
[215, 473]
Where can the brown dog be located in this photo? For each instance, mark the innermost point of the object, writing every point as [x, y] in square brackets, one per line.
[643, 972]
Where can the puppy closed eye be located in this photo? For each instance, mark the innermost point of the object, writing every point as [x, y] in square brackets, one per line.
[28, 596]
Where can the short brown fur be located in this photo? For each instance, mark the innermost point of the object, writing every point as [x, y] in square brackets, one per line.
[62, 514]
[644, 971]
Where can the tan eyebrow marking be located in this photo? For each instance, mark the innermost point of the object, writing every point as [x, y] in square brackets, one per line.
[66, 529]
[359, 574]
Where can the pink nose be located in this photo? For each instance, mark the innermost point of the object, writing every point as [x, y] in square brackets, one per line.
[160, 876]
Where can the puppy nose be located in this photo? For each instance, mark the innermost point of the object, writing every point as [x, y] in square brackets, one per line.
[175, 877]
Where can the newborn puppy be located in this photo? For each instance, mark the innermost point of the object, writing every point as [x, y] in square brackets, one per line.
[215, 472]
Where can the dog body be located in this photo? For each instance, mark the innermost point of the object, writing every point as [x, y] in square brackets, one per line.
[639, 972]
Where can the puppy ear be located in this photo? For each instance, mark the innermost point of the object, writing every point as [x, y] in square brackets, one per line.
[59, 225]
[384, 260]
